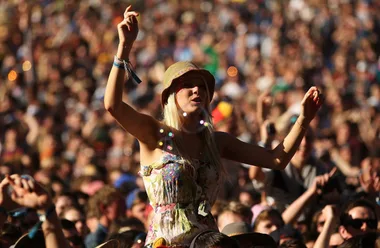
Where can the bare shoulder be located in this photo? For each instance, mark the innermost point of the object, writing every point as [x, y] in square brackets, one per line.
[152, 152]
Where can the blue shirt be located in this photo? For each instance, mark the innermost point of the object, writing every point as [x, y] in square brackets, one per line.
[96, 238]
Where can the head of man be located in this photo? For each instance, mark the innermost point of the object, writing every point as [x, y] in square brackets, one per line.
[358, 218]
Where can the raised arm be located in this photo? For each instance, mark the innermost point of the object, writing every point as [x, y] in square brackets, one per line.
[292, 212]
[143, 127]
[323, 239]
[279, 157]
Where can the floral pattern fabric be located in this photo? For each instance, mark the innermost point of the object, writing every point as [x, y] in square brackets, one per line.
[181, 196]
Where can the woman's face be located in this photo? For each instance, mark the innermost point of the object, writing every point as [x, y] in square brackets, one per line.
[191, 93]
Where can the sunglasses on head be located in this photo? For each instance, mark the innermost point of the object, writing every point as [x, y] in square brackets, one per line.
[358, 223]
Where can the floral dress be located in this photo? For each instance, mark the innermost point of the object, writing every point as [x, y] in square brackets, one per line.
[181, 196]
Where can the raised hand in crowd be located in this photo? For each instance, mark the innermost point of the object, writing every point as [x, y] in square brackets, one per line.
[263, 105]
[331, 217]
[311, 103]
[292, 212]
[321, 182]
[370, 182]
[24, 192]
[127, 30]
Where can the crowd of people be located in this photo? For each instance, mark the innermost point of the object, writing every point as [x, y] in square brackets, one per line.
[61, 147]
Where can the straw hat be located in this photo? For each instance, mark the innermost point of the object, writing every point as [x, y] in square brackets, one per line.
[180, 68]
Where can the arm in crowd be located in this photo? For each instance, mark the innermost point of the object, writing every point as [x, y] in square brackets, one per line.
[292, 212]
[31, 137]
[279, 157]
[343, 166]
[323, 239]
[29, 194]
[142, 126]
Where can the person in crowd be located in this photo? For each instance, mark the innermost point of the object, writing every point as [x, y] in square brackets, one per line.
[193, 154]
[71, 234]
[75, 215]
[108, 207]
[213, 239]
[136, 204]
[358, 217]
[234, 211]
[268, 221]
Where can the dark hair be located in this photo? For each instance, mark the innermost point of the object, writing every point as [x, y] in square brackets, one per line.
[254, 194]
[239, 209]
[105, 196]
[292, 243]
[210, 239]
[357, 203]
[124, 224]
[361, 241]
[10, 232]
[266, 214]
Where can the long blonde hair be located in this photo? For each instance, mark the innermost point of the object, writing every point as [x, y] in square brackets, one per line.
[172, 118]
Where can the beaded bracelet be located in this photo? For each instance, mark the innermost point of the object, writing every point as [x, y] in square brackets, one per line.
[127, 66]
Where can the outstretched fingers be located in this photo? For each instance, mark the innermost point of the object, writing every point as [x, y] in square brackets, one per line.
[128, 13]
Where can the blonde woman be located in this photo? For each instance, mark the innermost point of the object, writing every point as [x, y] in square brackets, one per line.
[180, 155]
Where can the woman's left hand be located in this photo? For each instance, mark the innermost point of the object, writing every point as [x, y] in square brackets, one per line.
[311, 103]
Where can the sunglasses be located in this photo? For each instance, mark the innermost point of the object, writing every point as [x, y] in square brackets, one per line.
[358, 223]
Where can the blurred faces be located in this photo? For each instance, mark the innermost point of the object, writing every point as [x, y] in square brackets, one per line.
[246, 199]
[62, 203]
[77, 218]
[113, 210]
[73, 237]
[138, 211]
[228, 217]
[268, 225]
[304, 151]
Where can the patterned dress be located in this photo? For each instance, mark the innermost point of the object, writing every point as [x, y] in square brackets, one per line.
[181, 196]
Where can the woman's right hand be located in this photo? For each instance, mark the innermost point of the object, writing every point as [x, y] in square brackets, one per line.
[128, 28]
[320, 181]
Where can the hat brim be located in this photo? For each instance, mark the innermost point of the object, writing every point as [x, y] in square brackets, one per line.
[209, 78]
